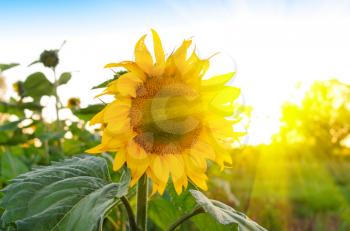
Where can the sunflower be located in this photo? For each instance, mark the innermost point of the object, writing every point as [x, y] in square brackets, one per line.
[73, 103]
[2, 86]
[166, 119]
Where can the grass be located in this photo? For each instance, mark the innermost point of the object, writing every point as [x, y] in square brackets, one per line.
[290, 188]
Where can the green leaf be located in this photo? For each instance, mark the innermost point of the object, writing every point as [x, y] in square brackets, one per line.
[74, 194]
[174, 204]
[11, 166]
[105, 83]
[31, 106]
[10, 109]
[71, 147]
[37, 85]
[64, 78]
[224, 214]
[88, 112]
[34, 62]
[18, 109]
[46, 136]
[156, 207]
[4, 67]
[10, 126]
[15, 137]
[205, 222]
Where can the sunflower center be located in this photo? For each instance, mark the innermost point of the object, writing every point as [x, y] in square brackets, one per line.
[165, 116]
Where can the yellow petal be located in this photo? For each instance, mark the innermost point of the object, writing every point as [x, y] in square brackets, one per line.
[180, 54]
[194, 69]
[158, 49]
[116, 110]
[160, 169]
[196, 162]
[176, 165]
[98, 118]
[128, 83]
[119, 160]
[118, 127]
[177, 170]
[154, 180]
[137, 172]
[113, 142]
[199, 181]
[128, 65]
[220, 128]
[217, 81]
[203, 149]
[178, 186]
[135, 151]
[161, 188]
[97, 149]
[143, 57]
[223, 101]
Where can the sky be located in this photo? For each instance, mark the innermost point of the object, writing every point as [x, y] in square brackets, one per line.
[272, 45]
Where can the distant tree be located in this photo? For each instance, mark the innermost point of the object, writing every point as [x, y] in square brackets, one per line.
[321, 120]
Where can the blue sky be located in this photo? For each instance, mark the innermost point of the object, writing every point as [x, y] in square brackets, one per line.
[75, 12]
[272, 45]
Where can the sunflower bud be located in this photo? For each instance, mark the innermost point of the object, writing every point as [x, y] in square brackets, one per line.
[2, 86]
[49, 58]
[73, 103]
[18, 88]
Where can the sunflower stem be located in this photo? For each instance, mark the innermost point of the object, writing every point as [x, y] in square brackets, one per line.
[57, 106]
[141, 210]
[133, 226]
[180, 220]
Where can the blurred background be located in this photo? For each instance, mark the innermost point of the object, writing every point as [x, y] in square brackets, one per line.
[291, 57]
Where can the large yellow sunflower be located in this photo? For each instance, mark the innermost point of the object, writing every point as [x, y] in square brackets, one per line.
[166, 120]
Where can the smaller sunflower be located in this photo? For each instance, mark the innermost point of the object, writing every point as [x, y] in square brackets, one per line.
[73, 103]
[2, 86]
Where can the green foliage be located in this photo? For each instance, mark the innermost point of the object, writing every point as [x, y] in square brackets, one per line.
[11, 166]
[218, 215]
[10, 126]
[4, 67]
[55, 197]
[37, 85]
[322, 118]
[18, 108]
[224, 214]
[40, 141]
[64, 78]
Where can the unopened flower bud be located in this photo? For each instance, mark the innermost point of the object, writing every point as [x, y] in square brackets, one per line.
[49, 58]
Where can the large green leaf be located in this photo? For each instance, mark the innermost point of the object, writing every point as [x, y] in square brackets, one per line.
[176, 206]
[11, 166]
[4, 67]
[64, 78]
[157, 206]
[36, 85]
[73, 194]
[224, 214]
